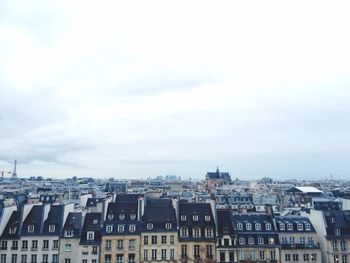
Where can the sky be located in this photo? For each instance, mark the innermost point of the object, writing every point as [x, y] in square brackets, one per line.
[137, 89]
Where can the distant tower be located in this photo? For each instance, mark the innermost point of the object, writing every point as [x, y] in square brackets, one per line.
[14, 174]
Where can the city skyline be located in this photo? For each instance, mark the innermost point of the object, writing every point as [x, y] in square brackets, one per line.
[110, 90]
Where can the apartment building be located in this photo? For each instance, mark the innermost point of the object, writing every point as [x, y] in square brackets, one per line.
[226, 239]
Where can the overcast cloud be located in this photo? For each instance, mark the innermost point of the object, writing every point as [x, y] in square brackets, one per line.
[138, 89]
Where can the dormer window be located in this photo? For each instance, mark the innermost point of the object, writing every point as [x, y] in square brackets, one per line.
[196, 232]
[195, 218]
[95, 221]
[251, 241]
[240, 226]
[149, 226]
[207, 218]
[109, 228]
[260, 241]
[183, 218]
[307, 227]
[300, 227]
[248, 226]
[268, 226]
[120, 228]
[132, 228]
[121, 216]
[168, 226]
[90, 235]
[271, 240]
[209, 232]
[337, 232]
[332, 220]
[289, 226]
[184, 232]
[31, 228]
[241, 240]
[110, 216]
[132, 216]
[282, 226]
[68, 233]
[12, 230]
[257, 226]
[51, 228]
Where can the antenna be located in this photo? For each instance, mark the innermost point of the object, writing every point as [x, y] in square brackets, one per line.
[14, 174]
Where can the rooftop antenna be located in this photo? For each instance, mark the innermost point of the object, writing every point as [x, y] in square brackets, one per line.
[14, 174]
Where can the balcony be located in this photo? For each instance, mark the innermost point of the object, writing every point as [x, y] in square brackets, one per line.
[14, 248]
[300, 246]
[34, 248]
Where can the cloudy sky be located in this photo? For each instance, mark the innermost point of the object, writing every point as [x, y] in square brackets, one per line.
[149, 88]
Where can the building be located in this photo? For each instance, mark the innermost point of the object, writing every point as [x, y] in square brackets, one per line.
[226, 239]
[216, 179]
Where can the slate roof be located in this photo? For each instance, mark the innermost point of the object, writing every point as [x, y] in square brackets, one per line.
[127, 198]
[74, 222]
[92, 202]
[158, 216]
[14, 224]
[218, 175]
[55, 217]
[35, 218]
[92, 222]
[294, 220]
[337, 220]
[225, 226]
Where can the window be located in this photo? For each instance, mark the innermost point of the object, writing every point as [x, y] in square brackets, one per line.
[240, 226]
[120, 258]
[344, 259]
[120, 244]
[84, 261]
[3, 245]
[292, 240]
[168, 226]
[132, 216]
[51, 228]
[145, 254]
[108, 258]
[120, 228]
[145, 240]
[154, 240]
[45, 258]
[273, 254]
[121, 216]
[109, 228]
[241, 240]
[68, 233]
[24, 245]
[260, 241]
[12, 230]
[195, 218]
[132, 228]
[310, 241]
[209, 232]
[289, 226]
[306, 257]
[154, 254]
[14, 258]
[184, 232]
[3, 258]
[282, 226]
[94, 250]
[132, 244]
[95, 221]
[34, 244]
[307, 227]
[302, 240]
[14, 245]
[46, 245]
[313, 257]
[183, 250]
[300, 227]
[85, 250]
[287, 257]
[163, 254]
[262, 255]
[196, 251]
[110, 216]
[149, 226]
[251, 241]
[271, 240]
[108, 244]
[337, 232]
[90, 235]
[295, 257]
[24, 259]
[268, 226]
[131, 258]
[209, 250]
[172, 254]
[31, 228]
[172, 240]
[334, 245]
[343, 245]
[207, 218]
[248, 226]
[68, 247]
[257, 226]
[196, 232]
[183, 218]
[163, 239]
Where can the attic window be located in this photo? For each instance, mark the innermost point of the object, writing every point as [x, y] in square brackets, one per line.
[120, 228]
[268, 226]
[300, 227]
[95, 221]
[168, 226]
[68, 233]
[51, 228]
[132, 216]
[110, 216]
[90, 235]
[207, 218]
[332, 220]
[149, 226]
[248, 226]
[257, 226]
[337, 232]
[12, 230]
[121, 216]
[195, 218]
[289, 226]
[282, 227]
[109, 228]
[183, 218]
[31, 228]
[132, 228]
[307, 227]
